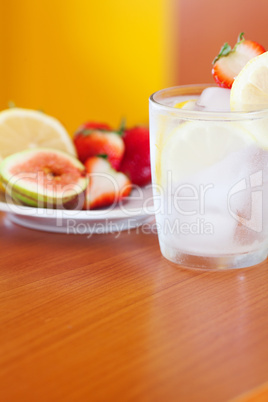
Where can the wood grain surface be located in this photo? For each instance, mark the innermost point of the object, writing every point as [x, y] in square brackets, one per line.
[107, 318]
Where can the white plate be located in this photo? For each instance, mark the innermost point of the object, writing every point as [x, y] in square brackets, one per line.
[133, 211]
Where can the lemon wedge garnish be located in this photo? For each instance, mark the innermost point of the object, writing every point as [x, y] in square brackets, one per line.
[249, 91]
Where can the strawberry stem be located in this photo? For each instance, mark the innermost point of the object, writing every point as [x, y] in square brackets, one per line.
[103, 156]
[225, 50]
[11, 104]
[240, 37]
[122, 126]
[88, 131]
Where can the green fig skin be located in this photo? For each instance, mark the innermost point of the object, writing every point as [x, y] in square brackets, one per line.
[24, 193]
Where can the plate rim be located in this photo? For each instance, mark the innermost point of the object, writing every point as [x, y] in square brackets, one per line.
[117, 211]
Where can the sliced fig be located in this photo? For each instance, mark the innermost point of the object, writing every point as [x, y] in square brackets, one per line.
[44, 178]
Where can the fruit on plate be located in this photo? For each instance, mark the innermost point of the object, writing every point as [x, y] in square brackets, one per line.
[44, 178]
[106, 186]
[95, 124]
[93, 139]
[24, 128]
[136, 160]
[229, 62]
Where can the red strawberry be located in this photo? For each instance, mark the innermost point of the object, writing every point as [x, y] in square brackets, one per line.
[94, 124]
[229, 62]
[136, 160]
[106, 185]
[94, 139]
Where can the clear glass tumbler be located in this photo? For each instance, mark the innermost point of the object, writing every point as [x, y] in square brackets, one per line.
[210, 181]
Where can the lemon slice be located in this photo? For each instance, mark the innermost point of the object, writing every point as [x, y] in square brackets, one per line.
[24, 128]
[193, 146]
[249, 91]
[187, 105]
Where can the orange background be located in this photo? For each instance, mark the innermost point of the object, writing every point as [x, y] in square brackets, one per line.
[83, 59]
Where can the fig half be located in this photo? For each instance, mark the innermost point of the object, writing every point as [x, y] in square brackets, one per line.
[44, 178]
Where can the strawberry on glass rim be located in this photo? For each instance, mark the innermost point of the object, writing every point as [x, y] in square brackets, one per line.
[229, 62]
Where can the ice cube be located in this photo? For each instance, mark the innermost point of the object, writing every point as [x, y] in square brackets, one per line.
[215, 99]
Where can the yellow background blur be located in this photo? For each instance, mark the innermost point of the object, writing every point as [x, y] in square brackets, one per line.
[83, 60]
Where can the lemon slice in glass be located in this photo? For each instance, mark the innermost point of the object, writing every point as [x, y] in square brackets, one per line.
[188, 104]
[249, 91]
[21, 129]
[193, 146]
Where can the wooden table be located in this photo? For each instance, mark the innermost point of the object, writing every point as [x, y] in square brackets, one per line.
[107, 318]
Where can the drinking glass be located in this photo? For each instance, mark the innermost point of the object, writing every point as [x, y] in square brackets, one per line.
[210, 181]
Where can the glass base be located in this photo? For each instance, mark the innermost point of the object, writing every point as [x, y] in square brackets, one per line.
[217, 263]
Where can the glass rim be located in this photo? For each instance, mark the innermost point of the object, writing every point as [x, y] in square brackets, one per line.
[200, 114]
